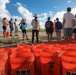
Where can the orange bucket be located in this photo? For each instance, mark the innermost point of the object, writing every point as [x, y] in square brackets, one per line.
[1, 67]
[9, 51]
[23, 63]
[49, 64]
[4, 58]
[7, 33]
[24, 46]
[69, 63]
[24, 49]
[37, 51]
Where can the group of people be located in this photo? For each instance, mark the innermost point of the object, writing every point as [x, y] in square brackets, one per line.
[12, 26]
[68, 26]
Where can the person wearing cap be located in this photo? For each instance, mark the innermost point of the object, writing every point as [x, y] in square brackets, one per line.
[58, 28]
[11, 26]
[49, 29]
[68, 24]
[4, 25]
[35, 28]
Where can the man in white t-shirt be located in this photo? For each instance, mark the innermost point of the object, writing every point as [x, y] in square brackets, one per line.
[68, 24]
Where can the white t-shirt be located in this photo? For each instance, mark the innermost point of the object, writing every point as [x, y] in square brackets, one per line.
[35, 24]
[68, 17]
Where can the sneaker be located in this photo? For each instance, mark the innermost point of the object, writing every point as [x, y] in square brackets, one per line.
[11, 35]
[27, 39]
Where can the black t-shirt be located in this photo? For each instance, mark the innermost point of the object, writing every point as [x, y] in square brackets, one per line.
[49, 24]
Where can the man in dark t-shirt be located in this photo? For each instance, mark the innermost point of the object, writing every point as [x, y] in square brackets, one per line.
[49, 28]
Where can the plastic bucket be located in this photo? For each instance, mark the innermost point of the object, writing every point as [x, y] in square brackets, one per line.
[7, 33]
[24, 49]
[1, 67]
[69, 63]
[9, 50]
[22, 64]
[24, 46]
[49, 66]
[4, 58]
[37, 51]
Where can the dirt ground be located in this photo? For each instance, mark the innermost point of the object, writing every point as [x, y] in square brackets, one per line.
[11, 40]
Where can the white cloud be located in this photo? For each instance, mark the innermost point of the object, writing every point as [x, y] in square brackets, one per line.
[29, 15]
[24, 12]
[43, 18]
[69, 1]
[3, 11]
[56, 7]
[59, 15]
[74, 10]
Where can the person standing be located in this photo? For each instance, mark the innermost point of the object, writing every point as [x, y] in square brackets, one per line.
[11, 26]
[68, 24]
[23, 28]
[49, 29]
[35, 28]
[16, 27]
[74, 31]
[58, 27]
[4, 25]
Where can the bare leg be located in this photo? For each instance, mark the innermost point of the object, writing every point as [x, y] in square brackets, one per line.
[10, 32]
[51, 37]
[26, 37]
[48, 37]
[74, 35]
[4, 32]
[23, 35]
[57, 36]
[69, 37]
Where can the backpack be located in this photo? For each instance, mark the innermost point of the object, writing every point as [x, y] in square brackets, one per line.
[21, 27]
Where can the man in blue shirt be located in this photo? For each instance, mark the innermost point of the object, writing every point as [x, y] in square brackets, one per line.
[58, 27]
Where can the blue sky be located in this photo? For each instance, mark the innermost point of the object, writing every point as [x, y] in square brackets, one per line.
[27, 8]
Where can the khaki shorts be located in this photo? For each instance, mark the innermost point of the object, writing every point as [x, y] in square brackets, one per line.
[68, 32]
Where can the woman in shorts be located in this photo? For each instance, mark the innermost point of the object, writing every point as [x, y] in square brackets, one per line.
[4, 25]
[23, 28]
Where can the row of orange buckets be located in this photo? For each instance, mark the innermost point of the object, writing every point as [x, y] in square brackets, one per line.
[39, 59]
[16, 61]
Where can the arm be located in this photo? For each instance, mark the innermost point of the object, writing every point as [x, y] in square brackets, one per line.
[52, 25]
[63, 20]
[32, 23]
[73, 23]
[63, 23]
[45, 25]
